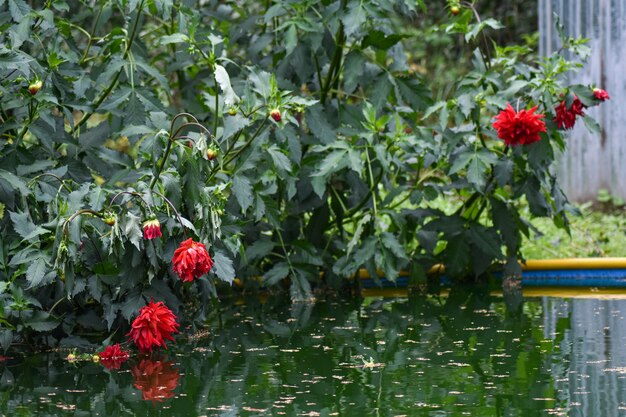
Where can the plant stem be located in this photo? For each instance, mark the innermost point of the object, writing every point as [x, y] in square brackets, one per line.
[166, 155]
[113, 83]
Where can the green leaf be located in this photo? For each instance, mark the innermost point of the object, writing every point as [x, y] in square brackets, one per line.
[134, 302]
[378, 39]
[476, 171]
[223, 267]
[281, 161]
[173, 38]
[19, 9]
[15, 182]
[36, 272]
[486, 240]
[355, 18]
[259, 249]
[333, 162]
[243, 191]
[25, 228]
[319, 125]
[131, 226]
[41, 322]
[277, 273]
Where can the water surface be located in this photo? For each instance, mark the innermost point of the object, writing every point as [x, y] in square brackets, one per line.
[465, 353]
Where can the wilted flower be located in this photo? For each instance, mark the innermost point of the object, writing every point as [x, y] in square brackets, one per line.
[519, 128]
[191, 260]
[113, 356]
[600, 94]
[566, 117]
[156, 379]
[151, 229]
[154, 325]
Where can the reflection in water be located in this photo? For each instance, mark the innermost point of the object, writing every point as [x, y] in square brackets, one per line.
[156, 379]
[468, 353]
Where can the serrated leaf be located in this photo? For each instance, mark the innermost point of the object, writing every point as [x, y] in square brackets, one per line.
[131, 306]
[41, 322]
[259, 249]
[354, 18]
[132, 229]
[96, 198]
[223, 267]
[19, 9]
[333, 162]
[15, 182]
[316, 121]
[391, 243]
[243, 191]
[277, 273]
[280, 159]
[36, 272]
[476, 172]
[25, 228]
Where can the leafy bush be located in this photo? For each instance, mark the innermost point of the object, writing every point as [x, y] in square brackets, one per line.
[292, 138]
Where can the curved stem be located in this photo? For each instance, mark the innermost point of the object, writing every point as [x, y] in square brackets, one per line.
[53, 176]
[78, 213]
[134, 194]
[180, 219]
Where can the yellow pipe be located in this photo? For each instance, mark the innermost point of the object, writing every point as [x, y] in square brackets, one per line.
[534, 265]
[575, 263]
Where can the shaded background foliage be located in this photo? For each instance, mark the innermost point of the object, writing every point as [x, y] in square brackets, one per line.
[347, 177]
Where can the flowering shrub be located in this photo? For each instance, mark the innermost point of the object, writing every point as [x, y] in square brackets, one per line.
[293, 143]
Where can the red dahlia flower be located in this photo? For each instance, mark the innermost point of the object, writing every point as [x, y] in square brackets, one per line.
[154, 325]
[600, 94]
[191, 260]
[157, 380]
[566, 117]
[113, 356]
[151, 229]
[519, 128]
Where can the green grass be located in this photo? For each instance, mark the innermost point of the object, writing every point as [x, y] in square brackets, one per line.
[594, 234]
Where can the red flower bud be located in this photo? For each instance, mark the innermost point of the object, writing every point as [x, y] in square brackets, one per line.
[34, 87]
[275, 114]
[600, 94]
[151, 229]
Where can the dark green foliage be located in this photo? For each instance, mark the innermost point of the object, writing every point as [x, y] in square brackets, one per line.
[345, 176]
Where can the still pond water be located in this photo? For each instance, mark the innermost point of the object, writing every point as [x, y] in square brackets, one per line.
[459, 354]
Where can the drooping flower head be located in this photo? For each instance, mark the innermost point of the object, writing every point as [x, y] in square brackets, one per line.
[113, 356]
[600, 94]
[566, 116]
[156, 379]
[153, 326]
[191, 260]
[151, 229]
[519, 128]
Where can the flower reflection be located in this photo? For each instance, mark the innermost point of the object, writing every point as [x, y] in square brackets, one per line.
[156, 379]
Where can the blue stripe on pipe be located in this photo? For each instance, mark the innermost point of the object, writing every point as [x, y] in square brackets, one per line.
[552, 278]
